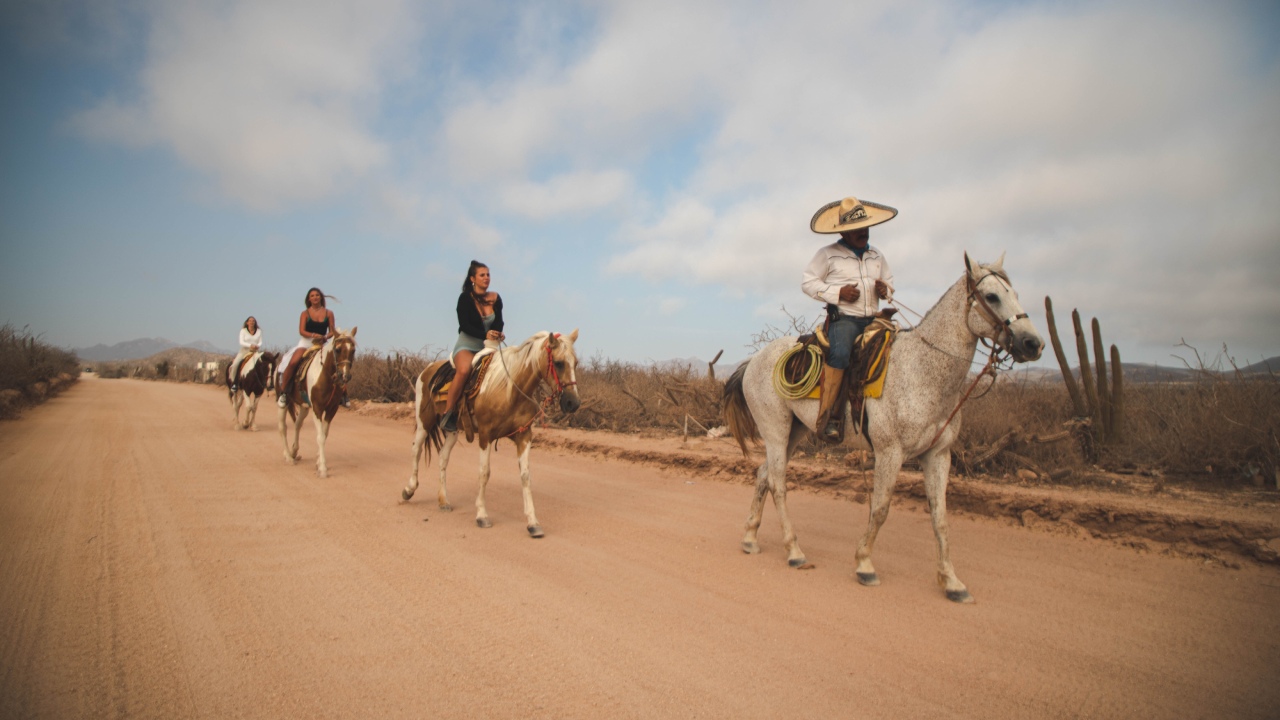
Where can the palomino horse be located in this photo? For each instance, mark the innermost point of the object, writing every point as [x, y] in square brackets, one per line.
[503, 408]
[319, 386]
[257, 374]
[917, 415]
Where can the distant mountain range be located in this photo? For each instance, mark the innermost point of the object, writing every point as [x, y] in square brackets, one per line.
[141, 348]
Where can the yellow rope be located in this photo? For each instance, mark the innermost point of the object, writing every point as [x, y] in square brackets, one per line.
[806, 384]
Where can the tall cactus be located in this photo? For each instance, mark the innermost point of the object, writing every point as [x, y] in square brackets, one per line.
[1117, 397]
[1077, 402]
[1086, 370]
[1101, 401]
[1104, 397]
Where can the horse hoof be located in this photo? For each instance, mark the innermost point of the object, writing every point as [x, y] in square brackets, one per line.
[797, 562]
[869, 579]
[446, 507]
[405, 494]
[535, 531]
[484, 522]
[960, 596]
[750, 548]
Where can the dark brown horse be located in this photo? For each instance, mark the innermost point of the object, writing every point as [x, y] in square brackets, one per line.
[256, 375]
[320, 386]
[504, 407]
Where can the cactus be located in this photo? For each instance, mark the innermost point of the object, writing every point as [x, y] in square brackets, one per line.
[1077, 402]
[1103, 410]
[1117, 398]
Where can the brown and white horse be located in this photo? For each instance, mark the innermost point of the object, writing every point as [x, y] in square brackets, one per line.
[321, 388]
[504, 408]
[257, 374]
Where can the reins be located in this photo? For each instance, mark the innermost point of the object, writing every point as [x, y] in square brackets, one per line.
[550, 398]
[998, 344]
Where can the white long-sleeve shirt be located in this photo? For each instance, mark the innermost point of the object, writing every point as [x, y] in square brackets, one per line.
[248, 340]
[835, 266]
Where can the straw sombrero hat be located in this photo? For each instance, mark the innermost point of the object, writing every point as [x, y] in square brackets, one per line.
[850, 214]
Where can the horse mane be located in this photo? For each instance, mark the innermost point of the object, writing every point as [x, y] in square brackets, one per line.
[513, 362]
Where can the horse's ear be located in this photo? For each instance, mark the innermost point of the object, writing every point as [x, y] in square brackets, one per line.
[353, 331]
[998, 266]
[573, 336]
[552, 340]
[968, 264]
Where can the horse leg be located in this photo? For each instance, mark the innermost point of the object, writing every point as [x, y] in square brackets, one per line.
[888, 463]
[419, 440]
[749, 541]
[482, 515]
[446, 448]
[282, 422]
[322, 432]
[937, 465]
[524, 441]
[251, 411]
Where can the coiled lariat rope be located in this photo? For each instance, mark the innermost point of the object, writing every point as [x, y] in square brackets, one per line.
[806, 382]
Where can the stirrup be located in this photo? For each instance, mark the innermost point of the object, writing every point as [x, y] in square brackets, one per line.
[282, 400]
[449, 421]
[831, 433]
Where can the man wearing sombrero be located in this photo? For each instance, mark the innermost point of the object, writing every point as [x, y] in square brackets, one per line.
[852, 277]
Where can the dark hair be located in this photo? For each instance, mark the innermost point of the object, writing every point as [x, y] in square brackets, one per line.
[306, 299]
[471, 272]
[255, 321]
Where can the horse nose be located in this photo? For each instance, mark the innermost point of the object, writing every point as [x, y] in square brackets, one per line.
[569, 402]
[1032, 346]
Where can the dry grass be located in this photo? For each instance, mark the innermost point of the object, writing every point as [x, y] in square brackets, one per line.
[31, 370]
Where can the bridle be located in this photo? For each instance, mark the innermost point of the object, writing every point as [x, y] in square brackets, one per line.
[554, 395]
[999, 344]
[1003, 328]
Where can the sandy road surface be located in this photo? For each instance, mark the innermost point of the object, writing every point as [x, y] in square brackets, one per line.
[157, 563]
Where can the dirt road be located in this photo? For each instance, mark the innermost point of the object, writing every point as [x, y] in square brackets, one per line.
[157, 563]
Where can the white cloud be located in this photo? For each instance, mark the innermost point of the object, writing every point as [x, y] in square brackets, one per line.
[566, 193]
[274, 100]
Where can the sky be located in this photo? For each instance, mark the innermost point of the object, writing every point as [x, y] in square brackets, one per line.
[644, 172]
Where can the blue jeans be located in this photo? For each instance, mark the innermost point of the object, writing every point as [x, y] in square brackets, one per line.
[841, 334]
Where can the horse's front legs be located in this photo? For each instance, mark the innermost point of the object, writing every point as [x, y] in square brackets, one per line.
[235, 410]
[524, 441]
[282, 422]
[888, 463]
[482, 515]
[251, 412]
[446, 449]
[937, 465]
[322, 432]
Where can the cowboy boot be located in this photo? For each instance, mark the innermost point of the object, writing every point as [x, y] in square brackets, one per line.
[828, 415]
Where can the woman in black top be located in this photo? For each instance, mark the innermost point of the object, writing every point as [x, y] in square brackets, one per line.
[315, 325]
[479, 324]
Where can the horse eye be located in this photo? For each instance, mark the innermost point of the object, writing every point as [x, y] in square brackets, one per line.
[992, 298]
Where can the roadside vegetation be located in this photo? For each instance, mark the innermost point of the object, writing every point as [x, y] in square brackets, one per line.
[31, 370]
[1209, 429]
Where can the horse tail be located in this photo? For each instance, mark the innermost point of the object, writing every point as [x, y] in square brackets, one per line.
[737, 416]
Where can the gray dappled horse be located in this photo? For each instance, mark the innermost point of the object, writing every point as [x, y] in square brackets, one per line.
[927, 374]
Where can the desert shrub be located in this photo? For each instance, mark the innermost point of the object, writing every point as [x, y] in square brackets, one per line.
[386, 378]
[31, 369]
[626, 397]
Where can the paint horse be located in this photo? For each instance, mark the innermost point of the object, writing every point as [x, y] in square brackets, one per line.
[256, 376]
[503, 407]
[916, 416]
[319, 386]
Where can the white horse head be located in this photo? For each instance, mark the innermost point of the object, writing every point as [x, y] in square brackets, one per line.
[995, 313]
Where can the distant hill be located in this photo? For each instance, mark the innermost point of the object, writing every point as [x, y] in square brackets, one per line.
[140, 349]
[1269, 366]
